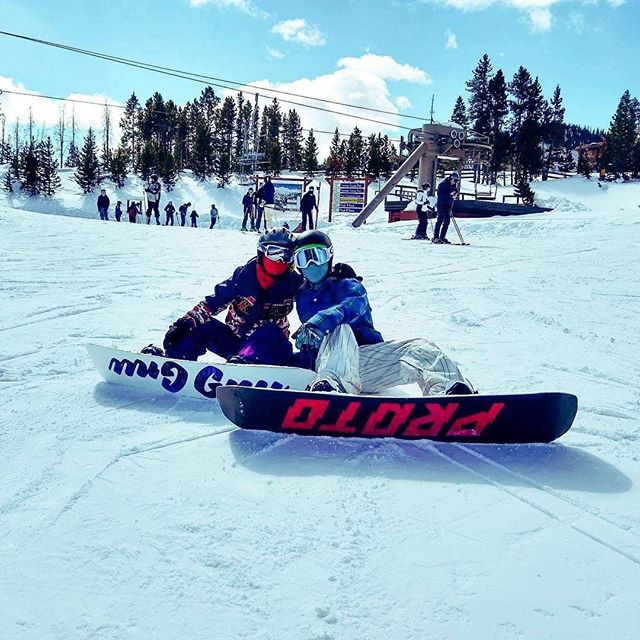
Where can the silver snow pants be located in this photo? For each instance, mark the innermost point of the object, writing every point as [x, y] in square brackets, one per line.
[375, 367]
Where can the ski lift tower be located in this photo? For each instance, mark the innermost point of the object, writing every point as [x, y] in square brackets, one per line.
[427, 144]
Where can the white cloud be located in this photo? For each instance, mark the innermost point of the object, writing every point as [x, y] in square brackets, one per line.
[540, 20]
[384, 67]
[276, 54]
[300, 31]
[538, 12]
[246, 6]
[402, 102]
[452, 40]
[577, 22]
[363, 81]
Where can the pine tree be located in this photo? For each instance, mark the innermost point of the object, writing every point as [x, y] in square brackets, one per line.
[30, 169]
[333, 165]
[168, 169]
[374, 156]
[459, 115]
[129, 126]
[292, 141]
[118, 166]
[584, 169]
[7, 181]
[49, 180]
[354, 159]
[310, 155]
[240, 132]
[553, 132]
[202, 152]
[567, 164]
[148, 160]
[478, 87]
[225, 123]
[88, 172]
[623, 134]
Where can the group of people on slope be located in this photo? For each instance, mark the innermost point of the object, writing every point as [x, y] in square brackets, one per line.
[153, 191]
[336, 338]
[253, 205]
[447, 193]
[255, 209]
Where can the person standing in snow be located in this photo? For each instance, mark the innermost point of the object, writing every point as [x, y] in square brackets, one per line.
[103, 205]
[194, 217]
[307, 204]
[214, 216]
[183, 213]
[260, 209]
[338, 340]
[424, 204]
[133, 212]
[169, 211]
[247, 206]
[258, 298]
[153, 190]
[447, 193]
[118, 211]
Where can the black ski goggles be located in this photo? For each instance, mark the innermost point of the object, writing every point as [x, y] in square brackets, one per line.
[307, 256]
[277, 253]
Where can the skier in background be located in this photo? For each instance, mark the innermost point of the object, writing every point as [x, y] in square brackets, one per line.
[247, 206]
[118, 211]
[183, 213]
[214, 216]
[447, 193]
[153, 190]
[258, 298]
[194, 217]
[133, 212]
[169, 211]
[424, 203]
[307, 204]
[260, 202]
[103, 205]
[339, 341]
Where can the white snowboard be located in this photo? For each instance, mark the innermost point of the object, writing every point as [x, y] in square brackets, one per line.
[190, 379]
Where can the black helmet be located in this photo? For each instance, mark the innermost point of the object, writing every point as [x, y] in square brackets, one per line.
[312, 237]
[313, 247]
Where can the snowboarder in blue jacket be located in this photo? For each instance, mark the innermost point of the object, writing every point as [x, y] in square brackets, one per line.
[340, 342]
[258, 297]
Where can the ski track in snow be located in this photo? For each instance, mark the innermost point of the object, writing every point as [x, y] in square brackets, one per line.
[125, 516]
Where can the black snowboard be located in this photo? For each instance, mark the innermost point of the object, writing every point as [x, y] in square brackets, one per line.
[515, 418]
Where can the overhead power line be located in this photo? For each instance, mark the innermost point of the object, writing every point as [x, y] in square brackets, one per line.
[210, 80]
[122, 107]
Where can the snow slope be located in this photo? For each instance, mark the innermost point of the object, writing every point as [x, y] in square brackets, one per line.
[125, 517]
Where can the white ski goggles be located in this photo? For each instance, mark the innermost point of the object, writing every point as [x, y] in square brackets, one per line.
[312, 255]
[277, 253]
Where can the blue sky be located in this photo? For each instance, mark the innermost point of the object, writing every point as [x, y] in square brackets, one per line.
[385, 53]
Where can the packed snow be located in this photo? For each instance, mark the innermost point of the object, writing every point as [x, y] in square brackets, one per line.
[125, 516]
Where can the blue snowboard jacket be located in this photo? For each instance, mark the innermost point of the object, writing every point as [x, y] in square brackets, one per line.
[338, 301]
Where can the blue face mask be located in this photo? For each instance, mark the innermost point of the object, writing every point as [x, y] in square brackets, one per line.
[315, 273]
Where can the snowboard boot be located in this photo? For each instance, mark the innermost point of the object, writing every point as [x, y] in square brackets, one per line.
[152, 350]
[418, 237]
[436, 241]
[327, 385]
[243, 229]
[459, 388]
[444, 241]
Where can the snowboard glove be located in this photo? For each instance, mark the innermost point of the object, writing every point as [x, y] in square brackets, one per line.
[308, 337]
[177, 332]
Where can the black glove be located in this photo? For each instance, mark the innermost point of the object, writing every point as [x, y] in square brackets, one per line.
[177, 332]
[308, 336]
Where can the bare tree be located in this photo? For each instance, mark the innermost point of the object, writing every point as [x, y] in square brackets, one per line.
[60, 133]
[106, 134]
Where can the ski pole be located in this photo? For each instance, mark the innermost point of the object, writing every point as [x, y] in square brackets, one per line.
[455, 224]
